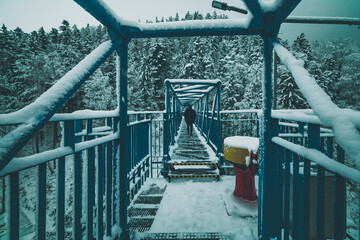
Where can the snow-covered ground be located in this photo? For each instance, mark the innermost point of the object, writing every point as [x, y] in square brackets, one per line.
[205, 206]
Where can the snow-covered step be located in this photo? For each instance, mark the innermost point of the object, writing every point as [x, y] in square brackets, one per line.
[184, 236]
[193, 168]
[199, 173]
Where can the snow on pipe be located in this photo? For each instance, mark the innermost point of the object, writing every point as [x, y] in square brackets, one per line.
[319, 158]
[344, 122]
[45, 106]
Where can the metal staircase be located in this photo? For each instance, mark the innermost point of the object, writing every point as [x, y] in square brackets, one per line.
[190, 158]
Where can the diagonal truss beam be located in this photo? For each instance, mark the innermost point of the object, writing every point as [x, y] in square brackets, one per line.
[106, 16]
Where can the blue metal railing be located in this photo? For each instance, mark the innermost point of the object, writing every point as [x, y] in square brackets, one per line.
[308, 173]
[90, 156]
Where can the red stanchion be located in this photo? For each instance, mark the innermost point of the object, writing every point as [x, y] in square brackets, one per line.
[245, 181]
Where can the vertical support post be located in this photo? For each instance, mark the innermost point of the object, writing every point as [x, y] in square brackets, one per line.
[219, 136]
[173, 128]
[100, 193]
[313, 142]
[166, 129]
[265, 139]
[340, 200]
[60, 199]
[275, 81]
[77, 212]
[14, 216]
[123, 130]
[109, 177]
[206, 114]
[276, 194]
[41, 202]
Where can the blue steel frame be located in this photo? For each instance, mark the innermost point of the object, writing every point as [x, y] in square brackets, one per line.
[264, 24]
[190, 92]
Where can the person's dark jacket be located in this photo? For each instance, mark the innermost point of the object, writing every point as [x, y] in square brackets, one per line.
[189, 115]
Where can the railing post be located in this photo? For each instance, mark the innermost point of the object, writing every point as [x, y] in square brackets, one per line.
[206, 114]
[123, 130]
[313, 142]
[77, 211]
[14, 216]
[219, 134]
[340, 200]
[60, 199]
[173, 129]
[265, 141]
[166, 129]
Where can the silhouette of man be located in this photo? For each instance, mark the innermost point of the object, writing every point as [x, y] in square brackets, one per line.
[189, 116]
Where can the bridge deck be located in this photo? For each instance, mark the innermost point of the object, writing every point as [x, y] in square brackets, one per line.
[188, 209]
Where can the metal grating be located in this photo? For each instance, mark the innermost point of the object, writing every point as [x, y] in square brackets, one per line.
[140, 224]
[184, 236]
[143, 199]
[142, 212]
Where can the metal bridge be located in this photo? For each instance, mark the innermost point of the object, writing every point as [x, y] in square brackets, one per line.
[110, 154]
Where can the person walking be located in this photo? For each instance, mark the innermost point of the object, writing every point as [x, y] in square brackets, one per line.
[189, 116]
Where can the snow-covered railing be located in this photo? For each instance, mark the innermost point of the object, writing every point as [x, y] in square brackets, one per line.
[344, 122]
[306, 161]
[44, 107]
[88, 155]
[240, 123]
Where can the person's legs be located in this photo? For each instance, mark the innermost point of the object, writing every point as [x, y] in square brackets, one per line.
[188, 128]
[191, 128]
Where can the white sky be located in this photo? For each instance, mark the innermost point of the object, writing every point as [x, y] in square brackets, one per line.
[32, 14]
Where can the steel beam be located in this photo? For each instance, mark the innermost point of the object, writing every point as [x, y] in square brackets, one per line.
[124, 133]
[265, 139]
[103, 14]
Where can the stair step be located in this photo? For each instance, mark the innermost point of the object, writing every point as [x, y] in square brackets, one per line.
[196, 163]
[194, 174]
[192, 168]
[140, 224]
[141, 212]
[190, 156]
[184, 236]
[144, 199]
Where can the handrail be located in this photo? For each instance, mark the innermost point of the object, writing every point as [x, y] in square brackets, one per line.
[342, 121]
[44, 107]
[18, 164]
[319, 158]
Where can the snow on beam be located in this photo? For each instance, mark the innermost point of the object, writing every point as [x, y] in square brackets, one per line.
[45, 106]
[323, 20]
[190, 95]
[107, 17]
[195, 28]
[193, 81]
[344, 122]
[209, 89]
[185, 89]
[319, 158]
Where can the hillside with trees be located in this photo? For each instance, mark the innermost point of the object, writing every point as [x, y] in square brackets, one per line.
[32, 62]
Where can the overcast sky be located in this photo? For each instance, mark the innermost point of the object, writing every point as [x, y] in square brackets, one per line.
[32, 14]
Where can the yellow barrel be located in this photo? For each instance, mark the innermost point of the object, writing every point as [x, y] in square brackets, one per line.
[237, 148]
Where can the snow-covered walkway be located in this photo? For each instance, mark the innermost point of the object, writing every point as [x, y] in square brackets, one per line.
[203, 207]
